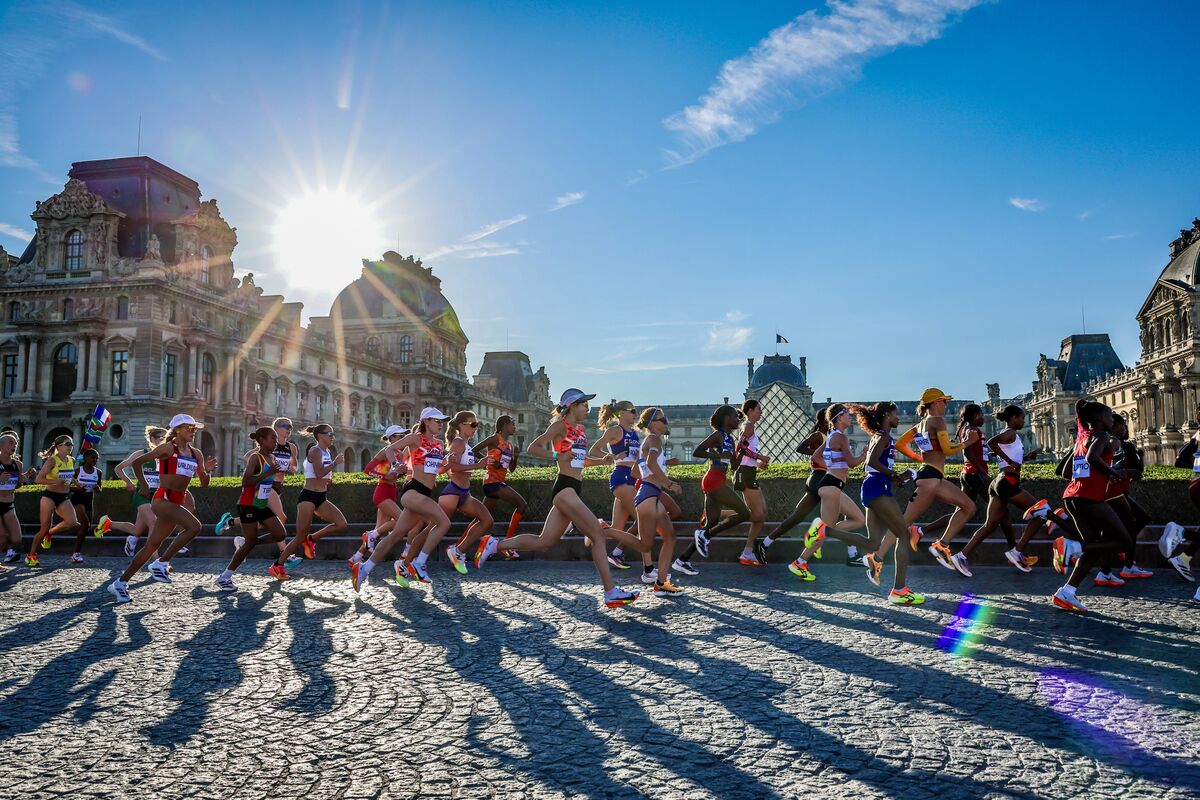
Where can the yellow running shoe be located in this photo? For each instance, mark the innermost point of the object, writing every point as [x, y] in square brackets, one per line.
[906, 597]
[800, 570]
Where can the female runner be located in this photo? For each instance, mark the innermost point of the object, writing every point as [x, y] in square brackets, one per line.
[745, 479]
[419, 511]
[254, 506]
[456, 493]
[812, 446]
[502, 455]
[719, 450]
[621, 441]
[652, 515]
[1132, 515]
[287, 459]
[565, 441]
[56, 474]
[143, 515]
[974, 479]
[319, 463]
[87, 482]
[12, 477]
[178, 462]
[388, 467]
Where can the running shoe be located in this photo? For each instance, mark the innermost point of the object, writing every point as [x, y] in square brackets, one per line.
[278, 572]
[1017, 559]
[800, 570]
[293, 561]
[76, 558]
[1067, 599]
[11, 556]
[31, 560]
[511, 555]
[46, 542]
[457, 558]
[239, 542]
[159, 572]
[224, 523]
[183, 551]
[1062, 516]
[357, 575]
[487, 548]
[700, 538]
[1184, 570]
[401, 573]
[815, 534]
[1031, 561]
[1039, 509]
[130, 545]
[120, 592]
[1133, 572]
[226, 584]
[419, 572]
[960, 563]
[941, 553]
[666, 588]
[617, 561]
[854, 558]
[617, 597]
[1107, 579]
[874, 567]
[760, 551]
[650, 577]
[1172, 537]
[685, 567]
[905, 597]
[1060, 556]
[370, 539]
[103, 526]
[310, 548]
[914, 536]
[1196, 596]
[747, 559]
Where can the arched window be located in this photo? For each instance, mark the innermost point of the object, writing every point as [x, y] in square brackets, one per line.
[406, 349]
[208, 370]
[122, 307]
[205, 255]
[73, 254]
[373, 345]
[68, 313]
[63, 381]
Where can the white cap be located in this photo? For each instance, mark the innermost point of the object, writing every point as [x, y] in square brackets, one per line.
[432, 413]
[572, 396]
[184, 419]
[392, 430]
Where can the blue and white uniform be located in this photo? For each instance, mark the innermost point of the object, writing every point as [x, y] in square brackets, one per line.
[879, 484]
[648, 490]
[625, 455]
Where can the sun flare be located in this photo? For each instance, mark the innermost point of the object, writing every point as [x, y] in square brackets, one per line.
[321, 234]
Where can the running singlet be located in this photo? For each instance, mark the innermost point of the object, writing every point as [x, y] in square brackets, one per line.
[576, 442]
[1014, 451]
[63, 469]
[179, 464]
[427, 456]
[283, 457]
[1126, 458]
[10, 477]
[644, 465]
[924, 443]
[1084, 484]
[258, 494]
[751, 444]
[889, 459]
[87, 481]
[722, 464]
[834, 459]
[326, 461]
[979, 450]
[500, 454]
[817, 459]
[625, 452]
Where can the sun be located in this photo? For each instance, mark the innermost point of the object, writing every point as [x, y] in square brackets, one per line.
[319, 234]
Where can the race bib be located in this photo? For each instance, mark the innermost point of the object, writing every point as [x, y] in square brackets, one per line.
[432, 464]
[283, 462]
[505, 461]
[65, 475]
[186, 467]
[10, 481]
[923, 443]
[1196, 463]
[264, 490]
[578, 454]
[151, 479]
[1081, 467]
[987, 454]
[891, 463]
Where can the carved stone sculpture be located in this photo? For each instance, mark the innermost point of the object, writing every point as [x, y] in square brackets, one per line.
[153, 249]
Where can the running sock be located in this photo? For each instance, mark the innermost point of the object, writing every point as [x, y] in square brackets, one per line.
[364, 569]
[851, 551]
[767, 540]
[10, 553]
[419, 561]
[618, 552]
[512, 525]
[357, 558]
[226, 575]
[1184, 557]
[647, 568]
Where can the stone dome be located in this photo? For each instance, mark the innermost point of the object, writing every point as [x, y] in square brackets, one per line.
[777, 368]
[396, 287]
[1185, 257]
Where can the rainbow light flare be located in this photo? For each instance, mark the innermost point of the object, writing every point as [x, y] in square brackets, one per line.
[965, 631]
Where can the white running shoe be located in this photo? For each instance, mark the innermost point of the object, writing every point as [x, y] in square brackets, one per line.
[1066, 598]
[1185, 570]
[239, 542]
[651, 576]
[1017, 559]
[293, 561]
[372, 540]
[1108, 579]
[960, 563]
[130, 546]
[183, 551]
[76, 558]
[701, 540]
[120, 592]
[158, 571]
[1197, 596]
[226, 584]
[1171, 537]
[685, 567]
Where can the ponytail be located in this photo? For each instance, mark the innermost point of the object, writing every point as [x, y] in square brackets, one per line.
[154, 432]
[648, 414]
[313, 430]
[453, 424]
[610, 412]
[260, 435]
[870, 418]
[60, 439]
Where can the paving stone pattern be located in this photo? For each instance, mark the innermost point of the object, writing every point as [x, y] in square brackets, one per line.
[517, 682]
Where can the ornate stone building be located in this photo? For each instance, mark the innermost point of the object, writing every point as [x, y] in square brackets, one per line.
[1083, 358]
[127, 296]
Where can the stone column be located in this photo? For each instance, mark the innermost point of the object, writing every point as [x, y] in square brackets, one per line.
[98, 372]
[22, 356]
[192, 372]
[31, 382]
[81, 347]
[26, 430]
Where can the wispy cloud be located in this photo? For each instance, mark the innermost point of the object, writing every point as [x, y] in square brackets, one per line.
[637, 176]
[727, 336]
[98, 23]
[568, 199]
[476, 250]
[812, 54]
[493, 227]
[1083, 215]
[1027, 203]
[14, 232]
[1114, 236]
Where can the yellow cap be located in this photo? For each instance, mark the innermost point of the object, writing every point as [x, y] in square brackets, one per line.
[931, 396]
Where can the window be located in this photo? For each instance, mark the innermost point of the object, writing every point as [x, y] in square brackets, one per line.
[301, 402]
[73, 256]
[14, 311]
[370, 380]
[354, 375]
[321, 367]
[373, 345]
[170, 368]
[370, 409]
[406, 349]
[208, 369]
[320, 406]
[10, 374]
[68, 312]
[260, 394]
[122, 307]
[404, 418]
[173, 313]
[63, 381]
[120, 371]
[521, 419]
[404, 386]
[280, 399]
[337, 409]
[205, 254]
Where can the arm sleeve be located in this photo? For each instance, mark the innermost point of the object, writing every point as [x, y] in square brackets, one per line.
[949, 447]
[902, 445]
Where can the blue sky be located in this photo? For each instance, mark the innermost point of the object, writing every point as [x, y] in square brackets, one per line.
[914, 193]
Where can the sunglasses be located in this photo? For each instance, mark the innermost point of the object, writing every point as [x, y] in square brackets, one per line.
[663, 420]
[284, 427]
[470, 424]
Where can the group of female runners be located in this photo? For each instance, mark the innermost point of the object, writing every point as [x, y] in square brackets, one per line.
[1097, 526]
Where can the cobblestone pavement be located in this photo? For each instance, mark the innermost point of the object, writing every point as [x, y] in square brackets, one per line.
[519, 683]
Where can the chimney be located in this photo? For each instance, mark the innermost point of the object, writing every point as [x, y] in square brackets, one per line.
[726, 400]
[749, 371]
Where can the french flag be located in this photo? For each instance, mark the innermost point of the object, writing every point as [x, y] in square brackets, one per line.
[100, 418]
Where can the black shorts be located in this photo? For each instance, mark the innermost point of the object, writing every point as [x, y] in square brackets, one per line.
[58, 497]
[830, 480]
[6, 506]
[490, 489]
[82, 499]
[414, 485]
[1005, 486]
[277, 488]
[254, 514]
[565, 482]
[928, 471]
[813, 482]
[745, 478]
[309, 496]
[973, 481]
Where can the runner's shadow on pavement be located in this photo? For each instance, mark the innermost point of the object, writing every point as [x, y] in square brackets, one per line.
[309, 653]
